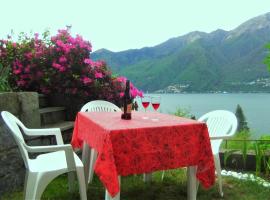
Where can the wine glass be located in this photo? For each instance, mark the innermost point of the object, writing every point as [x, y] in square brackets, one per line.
[145, 103]
[155, 101]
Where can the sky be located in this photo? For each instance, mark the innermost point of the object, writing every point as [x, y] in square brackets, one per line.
[119, 25]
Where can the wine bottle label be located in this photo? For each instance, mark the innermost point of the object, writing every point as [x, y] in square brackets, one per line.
[129, 108]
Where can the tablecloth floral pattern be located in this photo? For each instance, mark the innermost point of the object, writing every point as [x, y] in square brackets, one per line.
[140, 145]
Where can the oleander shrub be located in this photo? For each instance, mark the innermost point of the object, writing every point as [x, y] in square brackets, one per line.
[60, 64]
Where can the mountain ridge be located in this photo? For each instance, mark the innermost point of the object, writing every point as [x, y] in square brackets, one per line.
[202, 62]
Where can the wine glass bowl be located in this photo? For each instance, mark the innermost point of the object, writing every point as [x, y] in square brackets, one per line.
[145, 104]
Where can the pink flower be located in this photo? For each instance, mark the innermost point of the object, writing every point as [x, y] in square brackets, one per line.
[63, 31]
[21, 83]
[56, 66]
[121, 79]
[98, 63]
[88, 61]
[62, 69]
[28, 55]
[62, 59]
[59, 43]
[134, 92]
[86, 80]
[17, 71]
[24, 76]
[18, 63]
[39, 53]
[53, 38]
[66, 48]
[98, 75]
[14, 44]
[27, 69]
[140, 94]
[121, 94]
[71, 40]
[36, 36]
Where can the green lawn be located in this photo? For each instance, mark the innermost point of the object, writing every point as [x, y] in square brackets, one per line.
[173, 187]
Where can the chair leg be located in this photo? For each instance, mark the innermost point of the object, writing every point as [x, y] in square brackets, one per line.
[197, 185]
[86, 152]
[30, 185]
[218, 170]
[71, 180]
[44, 180]
[147, 178]
[82, 185]
[25, 184]
[93, 159]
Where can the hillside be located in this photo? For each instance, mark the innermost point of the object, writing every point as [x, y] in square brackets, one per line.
[199, 62]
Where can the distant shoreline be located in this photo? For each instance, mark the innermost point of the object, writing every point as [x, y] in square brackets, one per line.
[209, 92]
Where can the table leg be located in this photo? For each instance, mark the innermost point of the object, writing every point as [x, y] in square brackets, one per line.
[191, 184]
[117, 197]
[147, 177]
[86, 160]
[93, 159]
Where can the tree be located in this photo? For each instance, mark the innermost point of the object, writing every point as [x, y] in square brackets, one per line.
[242, 122]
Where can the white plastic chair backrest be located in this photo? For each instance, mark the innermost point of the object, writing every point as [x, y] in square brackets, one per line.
[220, 123]
[13, 124]
[100, 106]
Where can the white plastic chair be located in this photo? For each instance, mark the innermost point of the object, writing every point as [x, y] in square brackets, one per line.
[100, 106]
[44, 168]
[221, 125]
[97, 106]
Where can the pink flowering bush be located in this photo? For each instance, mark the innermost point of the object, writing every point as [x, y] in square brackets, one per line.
[60, 64]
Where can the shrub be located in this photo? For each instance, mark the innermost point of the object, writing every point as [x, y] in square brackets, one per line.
[184, 112]
[60, 64]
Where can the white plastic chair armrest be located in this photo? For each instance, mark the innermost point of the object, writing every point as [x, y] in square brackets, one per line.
[220, 137]
[52, 148]
[47, 131]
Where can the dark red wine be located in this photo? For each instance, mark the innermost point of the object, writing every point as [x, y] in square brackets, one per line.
[145, 104]
[155, 105]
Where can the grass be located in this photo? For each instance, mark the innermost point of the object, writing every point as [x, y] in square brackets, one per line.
[173, 187]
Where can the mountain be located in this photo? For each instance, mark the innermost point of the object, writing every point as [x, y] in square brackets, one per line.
[199, 62]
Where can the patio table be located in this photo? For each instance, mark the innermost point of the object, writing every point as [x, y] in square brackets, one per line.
[139, 145]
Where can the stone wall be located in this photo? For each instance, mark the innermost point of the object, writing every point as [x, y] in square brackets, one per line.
[25, 106]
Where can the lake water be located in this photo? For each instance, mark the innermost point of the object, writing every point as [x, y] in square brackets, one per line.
[256, 107]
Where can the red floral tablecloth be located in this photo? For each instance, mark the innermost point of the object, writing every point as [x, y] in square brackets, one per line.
[144, 145]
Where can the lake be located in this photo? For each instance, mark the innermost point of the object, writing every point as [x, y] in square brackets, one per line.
[256, 107]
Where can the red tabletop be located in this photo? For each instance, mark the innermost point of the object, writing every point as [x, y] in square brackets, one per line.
[144, 145]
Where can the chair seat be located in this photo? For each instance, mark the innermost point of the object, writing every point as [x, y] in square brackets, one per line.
[54, 161]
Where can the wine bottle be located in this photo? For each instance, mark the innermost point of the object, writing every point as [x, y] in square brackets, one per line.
[127, 102]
